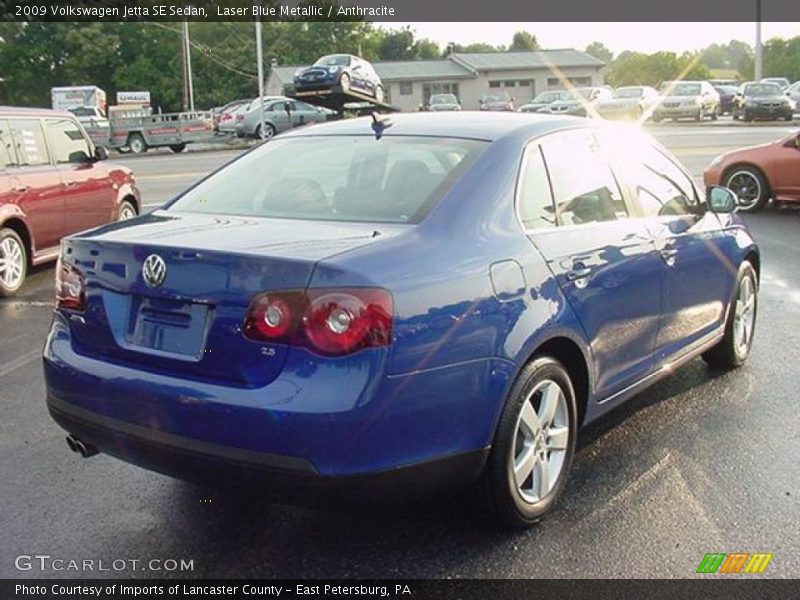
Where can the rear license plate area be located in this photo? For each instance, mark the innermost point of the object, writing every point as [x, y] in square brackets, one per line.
[169, 327]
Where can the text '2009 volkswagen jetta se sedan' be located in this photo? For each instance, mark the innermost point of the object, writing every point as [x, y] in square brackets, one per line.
[433, 301]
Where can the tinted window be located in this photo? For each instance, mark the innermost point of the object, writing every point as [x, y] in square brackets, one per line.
[29, 141]
[8, 156]
[583, 184]
[66, 141]
[535, 200]
[344, 178]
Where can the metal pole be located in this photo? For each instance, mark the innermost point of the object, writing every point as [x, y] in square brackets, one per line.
[188, 64]
[185, 105]
[260, 59]
[759, 66]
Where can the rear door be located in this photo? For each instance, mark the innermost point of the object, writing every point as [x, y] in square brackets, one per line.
[698, 277]
[35, 183]
[604, 262]
[87, 190]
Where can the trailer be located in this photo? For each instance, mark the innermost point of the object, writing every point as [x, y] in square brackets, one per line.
[137, 129]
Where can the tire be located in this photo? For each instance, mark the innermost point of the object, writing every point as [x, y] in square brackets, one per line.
[735, 115]
[715, 113]
[732, 351]
[344, 82]
[13, 262]
[127, 210]
[750, 186]
[379, 94]
[746, 117]
[137, 144]
[177, 148]
[269, 132]
[700, 114]
[519, 502]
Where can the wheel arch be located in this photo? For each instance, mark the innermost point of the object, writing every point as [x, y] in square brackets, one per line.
[742, 164]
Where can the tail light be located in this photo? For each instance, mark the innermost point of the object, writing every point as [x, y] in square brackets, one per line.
[330, 322]
[70, 287]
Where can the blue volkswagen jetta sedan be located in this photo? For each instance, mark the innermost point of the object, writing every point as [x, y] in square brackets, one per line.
[442, 304]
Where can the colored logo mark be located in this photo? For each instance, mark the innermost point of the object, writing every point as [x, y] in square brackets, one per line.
[734, 562]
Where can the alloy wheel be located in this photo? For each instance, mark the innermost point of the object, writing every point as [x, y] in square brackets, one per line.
[747, 187]
[12, 263]
[744, 316]
[541, 441]
[126, 212]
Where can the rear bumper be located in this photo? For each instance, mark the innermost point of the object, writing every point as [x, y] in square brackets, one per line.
[316, 420]
[676, 112]
[276, 477]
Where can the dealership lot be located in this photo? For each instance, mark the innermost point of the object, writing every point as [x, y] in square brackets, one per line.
[699, 463]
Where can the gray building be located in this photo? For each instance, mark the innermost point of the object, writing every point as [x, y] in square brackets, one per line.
[471, 75]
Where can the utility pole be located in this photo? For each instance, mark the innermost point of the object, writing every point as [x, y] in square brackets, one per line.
[260, 59]
[759, 66]
[188, 55]
[183, 71]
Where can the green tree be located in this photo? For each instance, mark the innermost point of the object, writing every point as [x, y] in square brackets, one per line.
[636, 68]
[599, 51]
[523, 40]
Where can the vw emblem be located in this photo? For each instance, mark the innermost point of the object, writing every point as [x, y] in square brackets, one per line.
[154, 270]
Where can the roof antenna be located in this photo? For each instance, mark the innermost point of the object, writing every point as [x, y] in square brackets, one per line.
[379, 123]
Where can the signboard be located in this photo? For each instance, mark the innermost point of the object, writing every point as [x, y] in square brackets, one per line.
[136, 98]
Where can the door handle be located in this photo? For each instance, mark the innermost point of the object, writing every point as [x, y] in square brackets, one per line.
[70, 183]
[578, 272]
[20, 189]
[669, 254]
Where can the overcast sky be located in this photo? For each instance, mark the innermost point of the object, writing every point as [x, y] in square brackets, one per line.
[644, 37]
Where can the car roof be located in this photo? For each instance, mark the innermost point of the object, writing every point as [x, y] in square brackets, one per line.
[33, 111]
[467, 125]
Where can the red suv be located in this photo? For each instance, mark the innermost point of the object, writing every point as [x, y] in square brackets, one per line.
[53, 182]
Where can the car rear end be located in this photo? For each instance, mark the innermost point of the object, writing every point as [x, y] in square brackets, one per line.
[206, 341]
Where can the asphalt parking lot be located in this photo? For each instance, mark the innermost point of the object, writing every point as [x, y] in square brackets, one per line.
[702, 462]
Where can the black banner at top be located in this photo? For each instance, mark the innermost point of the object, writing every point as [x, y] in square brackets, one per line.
[401, 10]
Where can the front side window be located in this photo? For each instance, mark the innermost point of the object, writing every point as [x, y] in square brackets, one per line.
[29, 142]
[341, 178]
[584, 187]
[66, 141]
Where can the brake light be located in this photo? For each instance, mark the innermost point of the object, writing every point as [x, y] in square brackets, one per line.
[331, 322]
[70, 287]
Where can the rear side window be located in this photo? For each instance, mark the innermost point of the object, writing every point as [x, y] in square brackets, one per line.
[340, 178]
[29, 142]
[584, 187]
[66, 141]
[8, 154]
[535, 200]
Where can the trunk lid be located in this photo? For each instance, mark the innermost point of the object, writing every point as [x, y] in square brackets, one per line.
[213, 265]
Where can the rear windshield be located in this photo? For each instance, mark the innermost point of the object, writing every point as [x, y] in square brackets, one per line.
[336, 178]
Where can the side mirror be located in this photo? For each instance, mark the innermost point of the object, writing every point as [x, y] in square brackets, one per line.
[721, 200]
[100, 153]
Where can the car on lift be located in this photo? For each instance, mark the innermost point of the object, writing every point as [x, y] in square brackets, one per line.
[759, 173]
[53, 182]
[342, 72]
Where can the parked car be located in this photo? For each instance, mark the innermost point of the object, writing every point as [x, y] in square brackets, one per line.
[759, 173]
[443, 102]
[342, 71]
[280, 114]
[53, 183]
[687, 99]
[497, 101]
[629, 102]
[781, 82]
[262, 328]
[726, 96]
[762, 101]
[579, 101]
[542, 101]
[793, 93]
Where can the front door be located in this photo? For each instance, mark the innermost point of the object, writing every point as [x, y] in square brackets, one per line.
[605, 263]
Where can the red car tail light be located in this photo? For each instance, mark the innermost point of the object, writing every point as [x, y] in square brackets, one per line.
[331, 322]
[70, 287]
